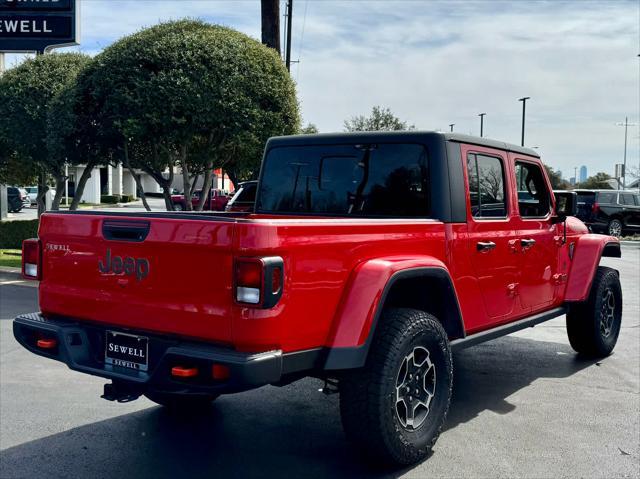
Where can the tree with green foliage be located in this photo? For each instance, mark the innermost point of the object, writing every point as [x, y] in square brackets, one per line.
[189, 93]
[27, 95]
[310, 129]
[381, 119]
[557, 183]
[599, 181]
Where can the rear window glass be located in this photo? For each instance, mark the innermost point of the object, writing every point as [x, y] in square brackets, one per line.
[586, 198]
[387, 180]
[247, 193]
[608, 198]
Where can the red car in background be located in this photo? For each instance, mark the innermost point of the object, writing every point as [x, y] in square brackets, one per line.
[218, 200]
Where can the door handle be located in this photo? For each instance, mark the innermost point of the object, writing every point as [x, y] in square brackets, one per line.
[483, 246]
[527, 243]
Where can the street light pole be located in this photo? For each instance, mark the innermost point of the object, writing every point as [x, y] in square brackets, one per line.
[451, 126]
[626, 125]
[481, 115]
[524, 106]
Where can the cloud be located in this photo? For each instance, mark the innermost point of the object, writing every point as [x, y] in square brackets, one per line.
[435, 63]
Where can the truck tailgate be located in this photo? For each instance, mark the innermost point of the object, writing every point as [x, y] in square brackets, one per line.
[160, 274]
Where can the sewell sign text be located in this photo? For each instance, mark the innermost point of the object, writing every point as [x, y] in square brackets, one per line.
[37, 25]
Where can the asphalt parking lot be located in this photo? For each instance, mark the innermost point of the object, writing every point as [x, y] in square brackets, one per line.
[524, 406]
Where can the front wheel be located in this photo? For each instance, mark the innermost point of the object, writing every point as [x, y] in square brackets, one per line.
[593, 326]
[394, 408]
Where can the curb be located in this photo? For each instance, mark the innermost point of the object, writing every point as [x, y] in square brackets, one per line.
[9, 269]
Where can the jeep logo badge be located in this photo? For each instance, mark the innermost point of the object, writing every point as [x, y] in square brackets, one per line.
[128, 266]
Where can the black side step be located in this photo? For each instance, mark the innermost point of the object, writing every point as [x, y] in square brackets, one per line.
[494, 333]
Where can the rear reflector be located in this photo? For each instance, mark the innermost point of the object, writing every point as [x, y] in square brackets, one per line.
[47, 343]
[181, 372]
[218, 371]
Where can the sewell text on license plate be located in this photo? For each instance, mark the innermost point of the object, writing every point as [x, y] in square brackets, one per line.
[126, 350]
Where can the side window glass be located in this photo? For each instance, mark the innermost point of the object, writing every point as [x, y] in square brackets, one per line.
[486, 186]
[607, 198]
[533, 195]
[627, 199]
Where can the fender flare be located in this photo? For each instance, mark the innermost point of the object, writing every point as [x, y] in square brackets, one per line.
[588, 249]
[363, 302]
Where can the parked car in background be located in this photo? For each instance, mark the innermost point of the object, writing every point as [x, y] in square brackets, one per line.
[218, 199]
[614, 212]
[17, 199]
[32, 193]
[244, 197]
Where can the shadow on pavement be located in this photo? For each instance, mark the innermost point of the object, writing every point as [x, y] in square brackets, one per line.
[291, 431]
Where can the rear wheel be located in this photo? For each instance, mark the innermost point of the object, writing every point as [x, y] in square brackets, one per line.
[178, 207]
[182, 402]
[615, 228]
[593, 326]
[394, 408]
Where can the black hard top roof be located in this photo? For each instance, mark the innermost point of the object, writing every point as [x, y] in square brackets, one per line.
[395, 136]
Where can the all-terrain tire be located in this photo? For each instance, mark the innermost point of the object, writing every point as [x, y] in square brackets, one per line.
[593, 326]
[181, 402]
[372, 414]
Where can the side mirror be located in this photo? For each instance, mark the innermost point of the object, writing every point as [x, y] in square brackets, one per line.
[566, 205]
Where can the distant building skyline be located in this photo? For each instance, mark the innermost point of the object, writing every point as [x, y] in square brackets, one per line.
[583, 174]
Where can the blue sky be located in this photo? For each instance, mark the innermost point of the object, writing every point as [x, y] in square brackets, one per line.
[435, 63]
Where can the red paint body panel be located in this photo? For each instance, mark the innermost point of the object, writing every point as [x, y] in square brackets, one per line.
[588, 250]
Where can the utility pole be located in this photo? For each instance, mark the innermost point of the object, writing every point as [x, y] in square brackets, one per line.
[481, 115]
[289, 23]
[524, 105]
[626, 125]
[451, 125]
[270, 13]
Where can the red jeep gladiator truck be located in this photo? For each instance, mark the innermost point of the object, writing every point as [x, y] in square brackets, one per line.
[367, 259]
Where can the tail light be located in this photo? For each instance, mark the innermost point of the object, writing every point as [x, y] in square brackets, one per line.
[31, 259]
[259, 281]
[595, 208]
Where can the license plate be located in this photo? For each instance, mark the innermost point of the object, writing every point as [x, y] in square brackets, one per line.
[127, 350]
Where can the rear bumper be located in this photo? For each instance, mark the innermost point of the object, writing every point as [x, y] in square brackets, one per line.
[81, 347]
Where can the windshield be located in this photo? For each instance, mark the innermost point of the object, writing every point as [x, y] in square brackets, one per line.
[389, 180]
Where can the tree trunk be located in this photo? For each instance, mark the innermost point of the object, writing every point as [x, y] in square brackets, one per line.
[136, 177]
[41, 200]
[86, 174]
[192, 189]
[233, 177]
[186, 184]
[270, 10]
[60, 180]
[206, 185]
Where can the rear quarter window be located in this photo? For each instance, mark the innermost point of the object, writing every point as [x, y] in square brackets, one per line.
[607, 198]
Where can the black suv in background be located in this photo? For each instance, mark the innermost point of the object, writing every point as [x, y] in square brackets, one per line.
[17, 199]
[610, 211]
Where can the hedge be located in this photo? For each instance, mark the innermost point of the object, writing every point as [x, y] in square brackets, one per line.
[12, 233]
[110, 199]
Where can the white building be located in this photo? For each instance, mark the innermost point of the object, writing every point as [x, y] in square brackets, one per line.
[116, 180]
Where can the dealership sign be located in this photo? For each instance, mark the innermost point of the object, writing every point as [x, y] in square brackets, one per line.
[37, 25]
